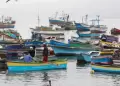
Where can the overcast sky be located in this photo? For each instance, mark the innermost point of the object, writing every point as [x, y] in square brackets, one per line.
[25, 12]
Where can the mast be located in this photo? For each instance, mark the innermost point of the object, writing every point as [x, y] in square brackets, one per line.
[38, 20]
[93, 22]
[98, 20]
[82, 19]
[86, 18]
[56, 15]
[3, 28]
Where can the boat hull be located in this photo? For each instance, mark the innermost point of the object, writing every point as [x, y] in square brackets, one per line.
[69, 50]
[87, 56]
[101, 60]
[22, 67]
[89, 35]
[107, 69]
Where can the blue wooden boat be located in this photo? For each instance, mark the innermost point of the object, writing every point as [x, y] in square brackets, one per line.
[88, 56]
[35, 43]
[80, 27]
[14, 47]
[53, 42]
[84, 35]
[88, 35]
[101, 59]
[56, 22]
[104, 64]
[106, 68]
[70, 44]
[61, 50]
[36, 66]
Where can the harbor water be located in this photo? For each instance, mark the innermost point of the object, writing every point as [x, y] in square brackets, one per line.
[74, 75]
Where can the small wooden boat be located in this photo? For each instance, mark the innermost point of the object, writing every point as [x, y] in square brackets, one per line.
[109, 64]
[36, 66]
[101, 59]
[109, 38]
[106, 68]
[109, 45]
[87, 56]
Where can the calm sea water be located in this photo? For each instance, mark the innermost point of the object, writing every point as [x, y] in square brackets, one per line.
[74, 75]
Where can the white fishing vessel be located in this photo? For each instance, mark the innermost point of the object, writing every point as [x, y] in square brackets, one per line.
[60, 29]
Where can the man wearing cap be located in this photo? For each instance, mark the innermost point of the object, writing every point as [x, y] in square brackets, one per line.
[32, 51]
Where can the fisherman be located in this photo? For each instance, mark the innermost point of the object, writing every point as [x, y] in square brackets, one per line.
[27, 57]
[45, 53]
[32, 51]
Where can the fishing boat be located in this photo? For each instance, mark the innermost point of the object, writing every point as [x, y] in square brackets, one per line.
[106, 68]
[33, 43]
[108, 45]
[71, 43]
[89, 35]
[72, 48]
[62, 50]
[88, 56]
[108, 38]
[108, 64]
[80, 27]
[57, 43]
[33, 66]
[7, 22]
[109, 42]
[115, 31]
[58, 29]
[106, 59]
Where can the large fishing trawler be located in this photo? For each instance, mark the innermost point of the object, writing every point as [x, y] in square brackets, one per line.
[60, 28]
[7, 34]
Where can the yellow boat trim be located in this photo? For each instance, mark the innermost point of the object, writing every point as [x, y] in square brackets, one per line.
[34, 64]
[111, 52]
[110, 44]
[107, 67]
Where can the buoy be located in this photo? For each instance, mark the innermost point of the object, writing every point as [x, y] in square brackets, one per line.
[92, 72]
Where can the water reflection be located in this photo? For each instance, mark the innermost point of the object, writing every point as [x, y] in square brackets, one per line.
[45, 76]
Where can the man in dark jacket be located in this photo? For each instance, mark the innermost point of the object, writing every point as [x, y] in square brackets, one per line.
[32, 51]
[45, 53]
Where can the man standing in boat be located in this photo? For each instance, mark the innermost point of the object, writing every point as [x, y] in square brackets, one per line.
[32, 51]
[45, 53]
